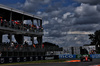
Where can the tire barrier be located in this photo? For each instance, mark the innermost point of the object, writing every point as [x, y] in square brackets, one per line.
[24, 59]
[41, 57]
[10, 60]
[2, 60]
[31, 58]
[36, 58]
[18, 59]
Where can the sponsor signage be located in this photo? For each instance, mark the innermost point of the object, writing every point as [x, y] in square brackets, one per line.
[49, 58]
[67, 56]
[95, 55]
[79, 56]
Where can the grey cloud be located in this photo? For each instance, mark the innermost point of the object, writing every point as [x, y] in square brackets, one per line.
[98, 8]
[87, 20]
[55, 33]
[33, 5]
[91, 2]
[84, 19]
[71, 40]
[86, 10]
[88, 27]
[86, 14]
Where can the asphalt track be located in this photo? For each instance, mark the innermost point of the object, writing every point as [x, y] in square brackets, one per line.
[93, 63]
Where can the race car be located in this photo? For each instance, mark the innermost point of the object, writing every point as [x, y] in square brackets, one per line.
[85, 58]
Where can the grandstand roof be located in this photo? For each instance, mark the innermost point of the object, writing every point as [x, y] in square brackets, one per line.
[16, 14]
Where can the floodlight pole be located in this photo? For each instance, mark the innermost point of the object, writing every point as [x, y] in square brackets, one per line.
[32, 29]
[11, 19]
[22, 28]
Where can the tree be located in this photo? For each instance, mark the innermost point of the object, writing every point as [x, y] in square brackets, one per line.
[95, 38]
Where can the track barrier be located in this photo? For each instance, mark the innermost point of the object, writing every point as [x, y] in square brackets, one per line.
[36, 58]
[24, 59]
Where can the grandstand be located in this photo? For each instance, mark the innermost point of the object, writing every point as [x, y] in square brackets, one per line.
[12, 24]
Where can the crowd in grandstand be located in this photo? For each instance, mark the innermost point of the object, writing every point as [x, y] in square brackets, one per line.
[26, 47]
[19, 25]
[17, 47]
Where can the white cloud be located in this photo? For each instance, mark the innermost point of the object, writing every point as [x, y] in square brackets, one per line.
[39, 12]
[55, 18]
[27, 3]
[44, 14]
[46, 1]
[79, 42]
[75, 38]
[60, 20]
[45, 22]
[65, 16]
[55, 12]
[64, 33]
[86, 9]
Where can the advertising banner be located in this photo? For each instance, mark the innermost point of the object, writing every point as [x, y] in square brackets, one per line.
[78, 56]
[51, 57]
[64, 56]
[95, 55]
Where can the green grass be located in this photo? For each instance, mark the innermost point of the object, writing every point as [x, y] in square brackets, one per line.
[35, 62]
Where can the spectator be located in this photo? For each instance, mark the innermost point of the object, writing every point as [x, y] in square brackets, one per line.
[12, 44]
[5, 23]
[34, 27]
[42, 45]
[1, 22]
[21, 47]
[26, 44]
[16, 47]
[34, 46]
[4, 48]
[37, 28]
[40, 28]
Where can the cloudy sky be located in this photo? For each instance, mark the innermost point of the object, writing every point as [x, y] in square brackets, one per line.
[66, 22]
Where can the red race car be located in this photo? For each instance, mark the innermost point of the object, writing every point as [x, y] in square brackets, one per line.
[85, 58]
